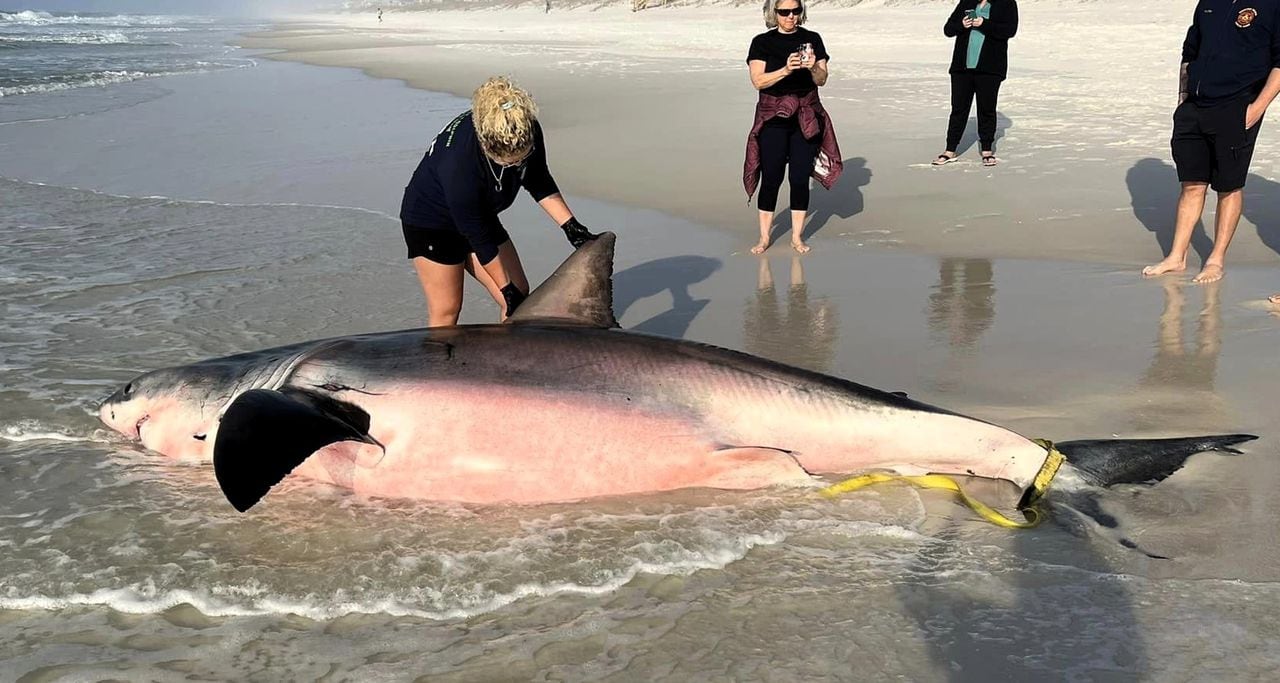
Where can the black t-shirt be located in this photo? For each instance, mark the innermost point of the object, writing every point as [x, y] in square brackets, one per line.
[773, 47]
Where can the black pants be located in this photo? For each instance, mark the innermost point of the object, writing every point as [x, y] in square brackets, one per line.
[781, 142]
[963, 88]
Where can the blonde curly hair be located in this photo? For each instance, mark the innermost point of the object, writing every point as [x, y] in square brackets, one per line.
[504, 115]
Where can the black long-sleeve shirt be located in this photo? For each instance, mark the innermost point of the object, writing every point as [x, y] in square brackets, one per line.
[1231, 48]
[457, 187]
[1003, 25]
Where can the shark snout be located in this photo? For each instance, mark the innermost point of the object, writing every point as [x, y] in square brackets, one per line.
[110, 415]
[117, 413]
[107, 411]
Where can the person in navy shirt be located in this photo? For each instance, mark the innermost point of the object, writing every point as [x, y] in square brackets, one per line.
[1230, 75]
[473, 171]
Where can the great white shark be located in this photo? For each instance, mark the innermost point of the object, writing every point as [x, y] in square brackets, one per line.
[559, 404]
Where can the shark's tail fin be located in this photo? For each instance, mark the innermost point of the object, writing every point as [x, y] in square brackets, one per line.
[1141, 461]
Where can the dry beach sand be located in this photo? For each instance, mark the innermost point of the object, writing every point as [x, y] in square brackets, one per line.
[651, 109]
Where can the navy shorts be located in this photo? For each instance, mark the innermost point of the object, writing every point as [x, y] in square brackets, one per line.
[1211, 144]
[442, 245]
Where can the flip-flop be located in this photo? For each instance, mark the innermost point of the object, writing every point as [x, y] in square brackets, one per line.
[943, 160]
[989, 160]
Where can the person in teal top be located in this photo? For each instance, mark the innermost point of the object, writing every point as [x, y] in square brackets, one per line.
[979, 64]
[980, 15]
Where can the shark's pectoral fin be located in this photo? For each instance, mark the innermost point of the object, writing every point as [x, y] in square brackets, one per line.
[265, 434]
[753, 468]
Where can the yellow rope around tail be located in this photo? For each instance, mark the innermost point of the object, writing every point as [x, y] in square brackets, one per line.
[1053, 461]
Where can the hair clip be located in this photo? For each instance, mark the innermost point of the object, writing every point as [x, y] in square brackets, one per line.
[507, 105]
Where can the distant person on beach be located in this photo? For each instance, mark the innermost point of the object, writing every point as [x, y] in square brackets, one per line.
[979, 64]
[1230, 74]
[788, 64]
[379, 15]
[470, 173]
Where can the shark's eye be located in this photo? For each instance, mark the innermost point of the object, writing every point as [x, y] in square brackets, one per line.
[128, 389]
[200, 437]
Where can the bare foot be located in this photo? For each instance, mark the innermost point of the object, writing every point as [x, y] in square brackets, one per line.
[1169, 265]
[1211, 272]
[760, 247]
[1274, 298]
[800, 247]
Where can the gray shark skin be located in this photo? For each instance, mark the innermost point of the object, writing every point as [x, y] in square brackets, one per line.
[558, 404]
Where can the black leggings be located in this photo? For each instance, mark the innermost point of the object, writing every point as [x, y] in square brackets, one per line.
[781, 142]
[963, 88]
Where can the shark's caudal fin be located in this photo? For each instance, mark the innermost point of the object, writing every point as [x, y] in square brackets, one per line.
[1106, 462]
[1141, 461]
[265, 434]
[580, 292]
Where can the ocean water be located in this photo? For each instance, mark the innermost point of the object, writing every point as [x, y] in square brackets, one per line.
[168, 222]
[48, 51]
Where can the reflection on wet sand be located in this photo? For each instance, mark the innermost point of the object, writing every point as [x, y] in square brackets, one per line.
[961, 308]
[804, 336]
[962, 305]
[1179, 384]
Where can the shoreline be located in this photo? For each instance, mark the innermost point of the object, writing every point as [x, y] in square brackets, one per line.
[597, 73]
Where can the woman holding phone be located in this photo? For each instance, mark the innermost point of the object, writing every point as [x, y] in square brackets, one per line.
[979, 64]
[788, 63]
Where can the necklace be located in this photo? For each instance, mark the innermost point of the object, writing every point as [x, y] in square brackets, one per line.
[497, 175]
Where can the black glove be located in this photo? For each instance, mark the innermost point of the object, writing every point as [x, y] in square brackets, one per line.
[577, 233]
[514, 297]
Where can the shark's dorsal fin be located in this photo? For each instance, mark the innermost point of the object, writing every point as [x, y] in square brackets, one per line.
[580, 292]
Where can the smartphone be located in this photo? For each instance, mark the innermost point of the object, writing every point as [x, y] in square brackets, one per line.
[805, 52]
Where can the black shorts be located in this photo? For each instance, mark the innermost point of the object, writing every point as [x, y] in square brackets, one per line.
[1211, 144]
[442, 245]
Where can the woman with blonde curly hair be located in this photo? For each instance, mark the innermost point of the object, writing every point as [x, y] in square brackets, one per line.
[792, 132]
[472, 172]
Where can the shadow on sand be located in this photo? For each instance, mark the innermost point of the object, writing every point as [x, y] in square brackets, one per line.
[970, 137]
[1154, 188]
[675, 274]
[844, 199]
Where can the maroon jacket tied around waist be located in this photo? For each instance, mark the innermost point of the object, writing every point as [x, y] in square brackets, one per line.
[814, 121]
